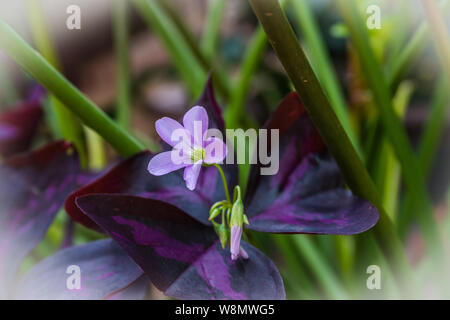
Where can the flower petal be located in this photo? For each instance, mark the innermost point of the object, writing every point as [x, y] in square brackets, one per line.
[32, 190]
[308, 194]
[191, 174]
[215, 151]
[105, 269]
[165, 127]
[132, 178]
[181, 256]
[163, 163]
[196, 122]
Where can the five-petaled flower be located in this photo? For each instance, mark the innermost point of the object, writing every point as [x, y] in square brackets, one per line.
[191, 146]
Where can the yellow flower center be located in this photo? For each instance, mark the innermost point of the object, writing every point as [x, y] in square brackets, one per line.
[197, 154]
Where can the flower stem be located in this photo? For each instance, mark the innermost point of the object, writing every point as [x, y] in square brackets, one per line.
[225, 185]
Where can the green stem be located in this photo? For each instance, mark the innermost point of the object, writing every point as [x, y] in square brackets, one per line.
[208, 63]
[120, 28]
[323, 272]
[224, 180]
[291, 55]
[40, 69]
[411, 51]
[428, 146]
[235, 113]
[212, 27]
[182, 56]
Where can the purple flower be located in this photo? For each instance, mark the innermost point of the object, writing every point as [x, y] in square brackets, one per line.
[191, 146]
[167, 229]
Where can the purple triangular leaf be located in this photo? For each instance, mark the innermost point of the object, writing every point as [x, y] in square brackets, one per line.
[308, 194]
[181, 256]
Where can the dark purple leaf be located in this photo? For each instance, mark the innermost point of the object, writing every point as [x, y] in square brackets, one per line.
[18, 126]
[32, 190]
[105, 271]
[181, 256]
[308, 193]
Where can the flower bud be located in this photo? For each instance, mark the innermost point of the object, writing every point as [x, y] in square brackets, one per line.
[222, 232]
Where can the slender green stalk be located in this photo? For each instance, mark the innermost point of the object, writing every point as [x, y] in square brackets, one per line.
[187, 64]
[411, 51]
[322, 65]
[293, 265]
[67, 124]
[428, 145]
[316, 262]
[395, 131]
[120, 28]
[387, 169]
[208, 63]
[439, 34]
[8, 93]
[40, 69]
[224, 180]
[234, 114]
[212, 27]
[96, 150]
[291, 55]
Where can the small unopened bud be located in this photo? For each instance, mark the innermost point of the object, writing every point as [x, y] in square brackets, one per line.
[214, 213]
[222, 232]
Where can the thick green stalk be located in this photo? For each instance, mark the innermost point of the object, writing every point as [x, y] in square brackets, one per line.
[40, 69]
[120, 30]
[212, 27]
[291, 55]
[322, 65]
[68, 126]
[395, 130]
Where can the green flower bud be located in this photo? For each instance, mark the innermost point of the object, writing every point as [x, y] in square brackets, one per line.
[222, 232]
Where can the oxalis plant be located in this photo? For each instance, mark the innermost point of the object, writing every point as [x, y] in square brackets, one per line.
[188, 218]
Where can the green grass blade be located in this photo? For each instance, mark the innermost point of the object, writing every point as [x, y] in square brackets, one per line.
[439, 35]
[212, 27]
[120, 30]
[186, 63]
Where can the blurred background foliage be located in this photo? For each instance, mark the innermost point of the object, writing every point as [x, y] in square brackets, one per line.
[141, 59]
